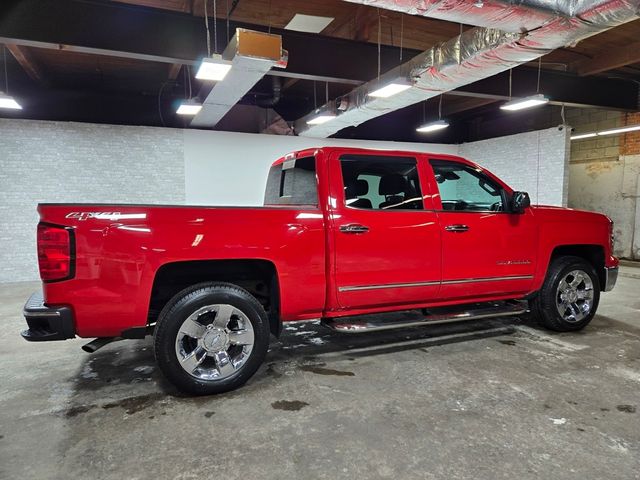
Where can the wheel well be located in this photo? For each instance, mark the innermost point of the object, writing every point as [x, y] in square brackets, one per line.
[594, 254]
[258, 277]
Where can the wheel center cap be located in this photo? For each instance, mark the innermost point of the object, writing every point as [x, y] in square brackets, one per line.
[572, 296]
[215, 339]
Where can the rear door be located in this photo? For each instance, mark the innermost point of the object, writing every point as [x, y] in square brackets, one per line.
[386, 239]
[486, 250]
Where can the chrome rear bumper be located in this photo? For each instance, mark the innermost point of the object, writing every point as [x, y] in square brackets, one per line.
[610, 278]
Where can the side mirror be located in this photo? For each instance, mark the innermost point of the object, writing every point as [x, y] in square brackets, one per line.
[520, 201]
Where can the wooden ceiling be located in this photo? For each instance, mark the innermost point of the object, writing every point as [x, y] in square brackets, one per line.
[615, 53]
[597, 54]
[351, 21]
[359, 22]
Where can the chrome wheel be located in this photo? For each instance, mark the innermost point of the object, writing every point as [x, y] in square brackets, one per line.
[214, 342]
[574, 296]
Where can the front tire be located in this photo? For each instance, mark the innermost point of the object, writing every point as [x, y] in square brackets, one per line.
[211, 338]
[569, 297]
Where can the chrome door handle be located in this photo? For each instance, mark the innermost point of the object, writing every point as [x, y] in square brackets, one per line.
[353, 228]
[457, 228]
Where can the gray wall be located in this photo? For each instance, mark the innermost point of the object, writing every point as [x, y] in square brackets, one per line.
[604, 174]
[77, 162]
[613, 188]
[536, 162]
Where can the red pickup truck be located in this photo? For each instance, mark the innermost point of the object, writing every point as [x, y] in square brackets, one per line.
[343, 233]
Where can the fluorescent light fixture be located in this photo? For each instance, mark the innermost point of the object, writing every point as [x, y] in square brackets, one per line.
[214, 68]
[320, 119]
[580, 136]
[615, 131]
[527, 102]
[308, 23]
[432, 127]
[9, 102]
[390, 90]
[189, 108]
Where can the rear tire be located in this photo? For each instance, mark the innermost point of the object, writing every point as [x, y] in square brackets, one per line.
[569, 297]
[211, 338]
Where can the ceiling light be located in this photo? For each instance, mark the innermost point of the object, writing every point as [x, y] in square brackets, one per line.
[615, 131]
[7, 101]
[320, 119]
[189, 108]
[390, 90]
[432, 127]
[308, 23]
[214, 68]
[527, 102]
[583, 135]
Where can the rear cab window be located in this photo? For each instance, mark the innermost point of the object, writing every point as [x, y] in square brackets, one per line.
[292, 182]
[380, 182]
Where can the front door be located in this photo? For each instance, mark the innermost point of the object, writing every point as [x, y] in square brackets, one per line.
[486, 250]
[387, 245]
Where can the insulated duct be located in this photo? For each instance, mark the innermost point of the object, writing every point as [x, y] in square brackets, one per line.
[508, 15]
[476, 54]
[252, 55]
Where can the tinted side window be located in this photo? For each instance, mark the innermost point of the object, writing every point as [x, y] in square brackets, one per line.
[292, 182]
[381, 183]
[463, 188]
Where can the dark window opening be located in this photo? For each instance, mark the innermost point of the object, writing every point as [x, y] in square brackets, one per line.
[292, 182]
[381, 182]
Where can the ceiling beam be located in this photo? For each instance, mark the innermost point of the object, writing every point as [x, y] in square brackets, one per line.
[26, 61]
[366, 24]
[610, 60]
[469, 103]
[174, 70]
[562, 88]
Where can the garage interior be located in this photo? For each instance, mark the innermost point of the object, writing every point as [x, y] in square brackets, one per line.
[90, 95]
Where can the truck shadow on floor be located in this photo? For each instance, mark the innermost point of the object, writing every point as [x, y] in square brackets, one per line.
[126, 376]
[130, 365]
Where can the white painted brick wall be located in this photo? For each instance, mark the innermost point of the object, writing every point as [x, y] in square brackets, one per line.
[84, 163]
[536, 162]
[78, 162]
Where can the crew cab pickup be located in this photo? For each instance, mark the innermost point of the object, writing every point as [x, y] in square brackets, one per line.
[343, 233]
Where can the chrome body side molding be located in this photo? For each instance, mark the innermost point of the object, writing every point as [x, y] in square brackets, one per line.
[433, 282]
[387, 285]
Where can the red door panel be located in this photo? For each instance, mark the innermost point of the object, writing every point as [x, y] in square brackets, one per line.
[383, 257]
[495, 255]
[486, 249]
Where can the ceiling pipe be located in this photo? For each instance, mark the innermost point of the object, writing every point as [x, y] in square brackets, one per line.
[276, 94]
[476, 54]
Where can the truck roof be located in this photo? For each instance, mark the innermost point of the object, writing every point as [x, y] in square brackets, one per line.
[370, 151]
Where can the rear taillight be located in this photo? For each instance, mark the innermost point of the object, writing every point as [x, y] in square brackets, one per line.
[55, 252]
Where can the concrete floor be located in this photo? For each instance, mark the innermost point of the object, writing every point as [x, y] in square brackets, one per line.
[499, 399]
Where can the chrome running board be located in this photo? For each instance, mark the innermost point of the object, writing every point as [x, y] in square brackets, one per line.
[372, 323]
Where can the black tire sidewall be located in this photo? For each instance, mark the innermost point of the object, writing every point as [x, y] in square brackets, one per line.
[183, 305]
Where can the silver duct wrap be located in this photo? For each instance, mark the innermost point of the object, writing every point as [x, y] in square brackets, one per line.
[508, 15]
[476, 54]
